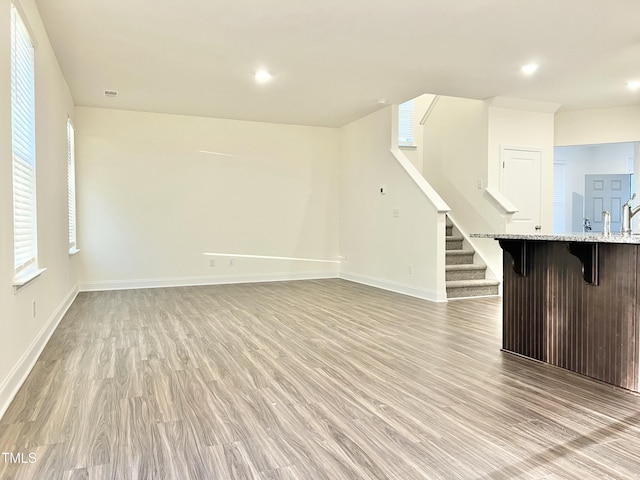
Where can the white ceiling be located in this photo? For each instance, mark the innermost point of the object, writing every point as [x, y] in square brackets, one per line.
[332, 59]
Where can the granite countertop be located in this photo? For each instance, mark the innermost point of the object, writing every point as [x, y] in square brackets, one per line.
[565, 237]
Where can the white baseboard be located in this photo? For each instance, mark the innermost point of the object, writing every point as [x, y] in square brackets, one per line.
[18, 375]
[410, 290]
[210, 280]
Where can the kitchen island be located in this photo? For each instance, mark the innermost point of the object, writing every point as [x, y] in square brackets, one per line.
[573, 301]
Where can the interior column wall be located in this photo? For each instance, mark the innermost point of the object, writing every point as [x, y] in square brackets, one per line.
[391, 236]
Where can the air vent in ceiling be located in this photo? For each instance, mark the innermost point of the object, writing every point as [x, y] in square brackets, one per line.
[110, 93]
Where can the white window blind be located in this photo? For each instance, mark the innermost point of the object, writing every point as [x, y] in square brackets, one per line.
[71, 185]
[405, 123]
[23, 142]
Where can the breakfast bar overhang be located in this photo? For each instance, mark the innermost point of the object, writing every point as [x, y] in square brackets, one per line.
[573, 301]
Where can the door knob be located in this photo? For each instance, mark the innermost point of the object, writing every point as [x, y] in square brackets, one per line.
[538, 227]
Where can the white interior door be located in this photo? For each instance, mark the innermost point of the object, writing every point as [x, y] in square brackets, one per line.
[521, 184]
[605, 192]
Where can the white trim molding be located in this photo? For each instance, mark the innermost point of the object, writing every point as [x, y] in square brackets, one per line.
[502, 201]
[402, 288]
[436, 200]
[21, 370]
[201, 281]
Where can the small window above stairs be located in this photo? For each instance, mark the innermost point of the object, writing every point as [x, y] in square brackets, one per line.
[464, 278]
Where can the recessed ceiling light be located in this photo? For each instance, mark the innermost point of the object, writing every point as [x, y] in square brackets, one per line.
[263, 76]
[633, 85]
[530, 68]
[382, 101]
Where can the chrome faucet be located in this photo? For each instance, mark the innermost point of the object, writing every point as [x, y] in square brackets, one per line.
[627, 215]
[606, 223]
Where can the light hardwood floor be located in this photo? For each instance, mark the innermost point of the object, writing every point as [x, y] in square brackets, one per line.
[305, 380]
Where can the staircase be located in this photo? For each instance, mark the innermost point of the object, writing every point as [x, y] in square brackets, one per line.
[464, 277]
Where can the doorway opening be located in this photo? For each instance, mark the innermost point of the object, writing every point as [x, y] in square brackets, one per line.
[577, 207]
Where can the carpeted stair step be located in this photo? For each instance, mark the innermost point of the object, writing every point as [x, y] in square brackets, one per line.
[465, 272]
[464, 278]
[453, 242]
[458, 257]
[471, 288]
[449, 226]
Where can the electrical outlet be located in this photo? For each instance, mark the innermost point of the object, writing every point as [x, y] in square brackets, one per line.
[410, 269]
[33, 308]
[479, 184]
[396, 213]
[212, 262]
[232, 262]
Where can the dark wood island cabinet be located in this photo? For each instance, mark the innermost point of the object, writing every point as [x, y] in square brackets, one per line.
[574, 301]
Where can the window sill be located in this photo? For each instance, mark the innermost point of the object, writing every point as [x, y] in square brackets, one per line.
[407, 147]
[24, 279]
[73, 251]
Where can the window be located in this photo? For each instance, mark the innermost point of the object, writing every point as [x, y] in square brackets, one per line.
[71, 186]
[405, 124]
[23, 143]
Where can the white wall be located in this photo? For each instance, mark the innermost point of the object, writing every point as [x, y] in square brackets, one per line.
[455, 146]
[150, 203]
[23, 335]
[455, 143]
[462, 140]
[606, 125]
[403, 253]
[521, 128]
